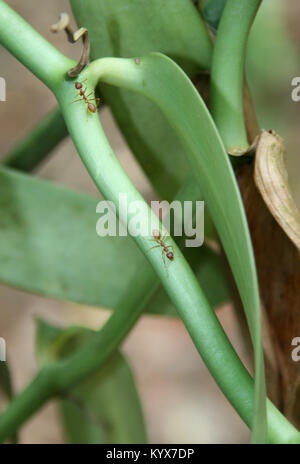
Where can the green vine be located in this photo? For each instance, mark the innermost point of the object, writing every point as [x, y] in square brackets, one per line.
[227, 73]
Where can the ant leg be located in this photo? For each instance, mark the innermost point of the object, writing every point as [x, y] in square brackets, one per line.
[164, 261]
[97, 100]
[155, 246]
[151, 240]
[84, 82]
[92, 92]
[167, 235]
[164, 237]
[80, 99]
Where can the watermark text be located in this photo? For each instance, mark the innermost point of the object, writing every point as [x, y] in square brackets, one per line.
[296, 351]
[137, 219]
[2, 89]
[2, 349]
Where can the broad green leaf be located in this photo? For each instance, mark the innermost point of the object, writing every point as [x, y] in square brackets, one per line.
[49, 246]
[125, 28]
[105, 408]
[161, 80]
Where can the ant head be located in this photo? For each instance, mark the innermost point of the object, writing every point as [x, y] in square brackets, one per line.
[156, 233]
[78, 85]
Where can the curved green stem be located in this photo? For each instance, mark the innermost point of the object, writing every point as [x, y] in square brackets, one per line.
[29, 47]
[227, 72]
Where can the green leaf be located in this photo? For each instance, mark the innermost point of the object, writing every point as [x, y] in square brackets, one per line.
[151, 76]
[125, 28]
[118, 27]
[227, 73]
[104, 408]
[49, 246]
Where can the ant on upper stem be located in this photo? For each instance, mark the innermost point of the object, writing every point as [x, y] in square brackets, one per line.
[161, 243]
[90, 106]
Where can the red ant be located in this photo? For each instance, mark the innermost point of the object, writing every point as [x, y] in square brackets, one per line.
[90, 106]
[165, 249]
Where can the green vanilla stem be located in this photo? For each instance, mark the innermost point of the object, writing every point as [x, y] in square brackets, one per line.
[31, 49]
[227, 72]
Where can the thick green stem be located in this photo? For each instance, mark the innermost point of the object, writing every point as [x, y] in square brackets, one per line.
[29, 47]
[227, 73]
[34, 148]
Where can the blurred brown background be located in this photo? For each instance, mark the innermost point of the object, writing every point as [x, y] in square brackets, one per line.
[181, 402]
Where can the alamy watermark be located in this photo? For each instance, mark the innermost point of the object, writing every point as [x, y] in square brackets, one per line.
[136, 219]
[296, 351]
[2, 89]
[296, 90]
[2, 349]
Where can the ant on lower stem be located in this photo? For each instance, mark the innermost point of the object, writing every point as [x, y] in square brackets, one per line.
[161, 243]
[90, 106]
